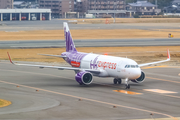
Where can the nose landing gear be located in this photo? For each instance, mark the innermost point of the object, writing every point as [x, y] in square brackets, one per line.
[127, 83]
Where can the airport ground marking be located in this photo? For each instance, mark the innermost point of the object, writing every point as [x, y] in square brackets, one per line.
[155, 119]
[154, 67]
[92, 100]
[4, 103]
[159, 91]
[163, 80]
[127, 92]
[172, 96]
[176, 77]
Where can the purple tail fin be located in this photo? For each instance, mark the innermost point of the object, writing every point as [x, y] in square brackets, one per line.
[70, 47]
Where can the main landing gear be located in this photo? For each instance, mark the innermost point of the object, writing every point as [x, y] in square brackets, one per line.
[117, 81]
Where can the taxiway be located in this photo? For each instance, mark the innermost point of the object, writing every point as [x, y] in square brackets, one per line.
[54, 94]
[90, 43]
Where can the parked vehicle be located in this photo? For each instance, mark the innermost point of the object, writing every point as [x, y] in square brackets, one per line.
[33, 18]
[23, 18]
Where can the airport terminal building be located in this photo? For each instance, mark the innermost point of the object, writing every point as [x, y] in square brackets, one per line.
[25, 14]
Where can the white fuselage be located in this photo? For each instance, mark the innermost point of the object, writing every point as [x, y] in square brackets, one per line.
[110, 66]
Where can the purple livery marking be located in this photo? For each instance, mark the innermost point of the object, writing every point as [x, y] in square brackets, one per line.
[94, 64]
[69, 43]
[73, 56]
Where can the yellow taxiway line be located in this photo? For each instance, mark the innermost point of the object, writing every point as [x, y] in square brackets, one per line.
[163, 80]
[127, 92]
[163, 66]
[156, 118]
[4, 103]
[154, 67]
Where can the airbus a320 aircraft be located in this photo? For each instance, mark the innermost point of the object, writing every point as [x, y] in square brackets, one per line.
[87, 65]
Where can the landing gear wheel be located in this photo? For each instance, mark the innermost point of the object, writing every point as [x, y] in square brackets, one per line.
[115, 81]
[127, 86]
[119, 81]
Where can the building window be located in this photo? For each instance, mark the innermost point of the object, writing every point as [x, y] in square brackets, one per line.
[41, 1]
[55, 5]
[69, 2]
[55, 1]
[47, 5]
[69, 6]
[55, 10]
[47, 1]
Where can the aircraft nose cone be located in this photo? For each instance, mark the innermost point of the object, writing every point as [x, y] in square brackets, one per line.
[136, 73]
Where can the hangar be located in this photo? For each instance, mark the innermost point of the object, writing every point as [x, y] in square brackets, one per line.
[25, 14]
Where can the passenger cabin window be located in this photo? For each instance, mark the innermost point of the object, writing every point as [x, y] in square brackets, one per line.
[131, 66]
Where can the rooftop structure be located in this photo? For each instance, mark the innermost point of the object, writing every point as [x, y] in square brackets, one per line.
[142, 4]
[143, 8]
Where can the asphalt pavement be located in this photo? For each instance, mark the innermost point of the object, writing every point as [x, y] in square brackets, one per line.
[56, 24]
[50, 94]
[90, 43]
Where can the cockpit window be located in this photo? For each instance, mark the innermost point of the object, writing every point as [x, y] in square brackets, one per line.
[131, 66]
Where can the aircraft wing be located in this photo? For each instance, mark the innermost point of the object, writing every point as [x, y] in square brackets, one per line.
[56, 67]
[146, 64]
[53, 55]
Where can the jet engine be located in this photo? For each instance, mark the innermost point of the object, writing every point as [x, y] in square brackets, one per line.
[140, 79]
[84, 78]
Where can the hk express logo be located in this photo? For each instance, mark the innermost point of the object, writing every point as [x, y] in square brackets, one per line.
[93, 65]
[109, 65]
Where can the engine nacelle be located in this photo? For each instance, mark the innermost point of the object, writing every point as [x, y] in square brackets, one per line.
[140, 79]
[85, 78]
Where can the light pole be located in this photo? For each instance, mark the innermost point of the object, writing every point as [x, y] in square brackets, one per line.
[156, 7]
[114, 12]
[156, 3]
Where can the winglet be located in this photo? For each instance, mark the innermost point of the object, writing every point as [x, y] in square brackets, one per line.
[10, 58]
[168, 54]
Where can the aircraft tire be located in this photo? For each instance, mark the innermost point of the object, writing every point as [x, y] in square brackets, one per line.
[119, 81]
[115, 81]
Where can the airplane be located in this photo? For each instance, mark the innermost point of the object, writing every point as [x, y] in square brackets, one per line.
[87, 65]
